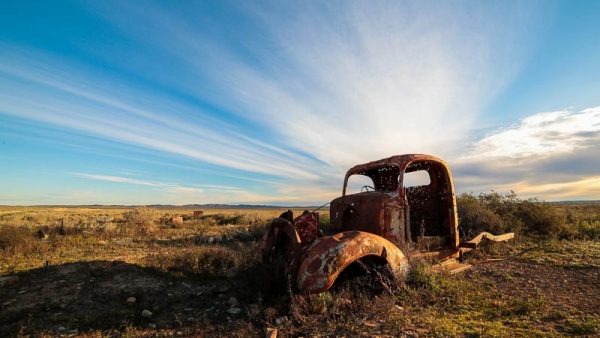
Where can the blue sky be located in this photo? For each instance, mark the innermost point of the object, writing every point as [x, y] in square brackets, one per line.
[271, 102]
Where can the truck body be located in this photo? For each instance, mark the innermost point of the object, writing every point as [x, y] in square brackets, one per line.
[393, 219]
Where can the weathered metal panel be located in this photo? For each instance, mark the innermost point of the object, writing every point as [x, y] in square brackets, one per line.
[328, 256]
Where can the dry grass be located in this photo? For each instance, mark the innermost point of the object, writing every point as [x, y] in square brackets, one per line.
[194, 260]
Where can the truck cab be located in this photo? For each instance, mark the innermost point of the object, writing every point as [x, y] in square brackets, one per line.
[418, 216]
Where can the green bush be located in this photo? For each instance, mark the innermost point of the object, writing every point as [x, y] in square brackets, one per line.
[500, 213]
[541, 218]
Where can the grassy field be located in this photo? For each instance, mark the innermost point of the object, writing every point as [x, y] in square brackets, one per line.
[129, 271]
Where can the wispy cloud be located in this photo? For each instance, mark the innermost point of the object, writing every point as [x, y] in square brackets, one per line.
[118, 179]
[292, 94]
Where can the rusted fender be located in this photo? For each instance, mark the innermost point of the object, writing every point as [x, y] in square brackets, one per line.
[328, 256]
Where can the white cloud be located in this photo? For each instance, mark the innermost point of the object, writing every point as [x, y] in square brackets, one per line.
[541, 135]
[550, 155]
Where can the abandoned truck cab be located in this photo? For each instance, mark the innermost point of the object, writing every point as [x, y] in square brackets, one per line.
[394, 207]
[393, 216]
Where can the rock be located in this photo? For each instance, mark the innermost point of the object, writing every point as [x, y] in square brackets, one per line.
[146, 314]
[234, 311]
[232, 302]
[271, 332]
[131, 300]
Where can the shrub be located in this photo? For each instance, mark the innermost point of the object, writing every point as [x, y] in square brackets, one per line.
[475, 216]
[420, 276]
[20, 241]
[140, 220]
[541, 218]
[12, 238]
[500, 213]
[585, 327]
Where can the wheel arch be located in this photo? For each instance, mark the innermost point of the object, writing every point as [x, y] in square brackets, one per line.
[325, 259]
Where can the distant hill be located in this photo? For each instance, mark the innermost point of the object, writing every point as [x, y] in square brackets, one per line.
[576, 202]
[170, 206]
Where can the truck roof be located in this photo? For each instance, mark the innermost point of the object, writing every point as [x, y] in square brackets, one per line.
[402, 161]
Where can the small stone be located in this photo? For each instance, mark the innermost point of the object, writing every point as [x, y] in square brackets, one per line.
[131, 300]
[232, 302]
[234, 311]
[146, 314]
[280, 320]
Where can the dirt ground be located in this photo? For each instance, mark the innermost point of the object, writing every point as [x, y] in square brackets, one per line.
[112, 297]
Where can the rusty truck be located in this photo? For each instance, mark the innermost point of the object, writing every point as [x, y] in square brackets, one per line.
[387, 223]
